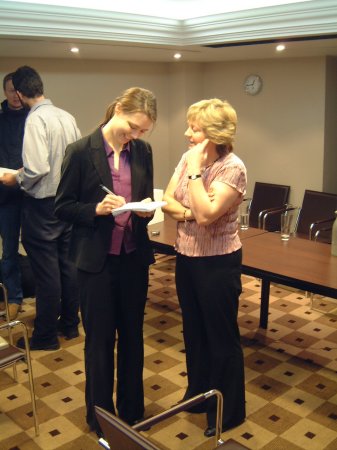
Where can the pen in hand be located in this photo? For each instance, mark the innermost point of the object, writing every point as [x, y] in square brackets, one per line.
[106, 189]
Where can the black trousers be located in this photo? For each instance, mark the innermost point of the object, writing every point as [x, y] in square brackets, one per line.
[112, 305]
[208, 289]
[46, 241]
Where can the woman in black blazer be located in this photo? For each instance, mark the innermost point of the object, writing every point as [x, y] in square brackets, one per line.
[112, 254]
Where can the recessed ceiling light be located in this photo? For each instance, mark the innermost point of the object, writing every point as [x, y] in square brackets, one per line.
[74, 50]
[280, 48]
[177, 55]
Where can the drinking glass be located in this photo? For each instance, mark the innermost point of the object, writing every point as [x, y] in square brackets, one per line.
[244, 215]
[286, 225]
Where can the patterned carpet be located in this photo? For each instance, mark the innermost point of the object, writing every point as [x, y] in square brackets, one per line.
[291, 377]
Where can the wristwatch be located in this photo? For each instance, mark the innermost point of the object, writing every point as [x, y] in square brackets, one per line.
[194, 177]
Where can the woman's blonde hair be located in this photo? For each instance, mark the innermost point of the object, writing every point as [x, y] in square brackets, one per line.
[217, 119]
[133, 100]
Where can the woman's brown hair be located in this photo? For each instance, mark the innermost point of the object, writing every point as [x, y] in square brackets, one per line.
[133, 100]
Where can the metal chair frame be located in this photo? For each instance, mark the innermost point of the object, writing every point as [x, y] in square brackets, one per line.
[129, 434]
[11, 355]
[275, 199]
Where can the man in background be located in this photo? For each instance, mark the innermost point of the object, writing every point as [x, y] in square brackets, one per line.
[12, 123]
[48, 131]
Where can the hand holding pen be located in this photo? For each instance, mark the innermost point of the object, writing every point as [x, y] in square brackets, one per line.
[110, 202]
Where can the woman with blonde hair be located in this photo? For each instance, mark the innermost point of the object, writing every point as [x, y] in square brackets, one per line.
[203, 195]
[112, 254]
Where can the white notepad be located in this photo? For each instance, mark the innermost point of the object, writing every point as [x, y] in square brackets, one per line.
[138, 206]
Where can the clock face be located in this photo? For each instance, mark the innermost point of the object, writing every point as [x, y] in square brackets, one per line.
[253, 84]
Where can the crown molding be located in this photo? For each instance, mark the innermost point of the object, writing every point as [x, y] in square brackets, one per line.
[313, 18]
[310, 18]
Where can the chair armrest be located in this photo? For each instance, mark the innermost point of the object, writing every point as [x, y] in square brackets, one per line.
[9, 325]
[182, 407]
[317, 223]
[266, 212]
[263, 216]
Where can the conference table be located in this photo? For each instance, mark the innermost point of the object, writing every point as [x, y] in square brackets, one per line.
[298, 263]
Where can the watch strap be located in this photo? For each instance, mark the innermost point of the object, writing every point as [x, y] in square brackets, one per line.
[194, 177]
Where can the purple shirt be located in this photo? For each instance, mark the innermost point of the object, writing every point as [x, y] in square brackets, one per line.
[121, 181]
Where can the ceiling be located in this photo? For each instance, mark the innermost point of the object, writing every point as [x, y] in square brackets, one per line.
[308, 29]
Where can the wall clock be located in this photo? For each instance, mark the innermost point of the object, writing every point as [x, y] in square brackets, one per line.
[253, 84]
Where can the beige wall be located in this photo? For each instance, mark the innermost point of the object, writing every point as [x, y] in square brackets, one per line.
[281, 130]
[330, 148]
[286, 134]
[85, 89]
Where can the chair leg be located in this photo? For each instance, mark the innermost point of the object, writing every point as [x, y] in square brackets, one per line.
[10, 337]
[31, 380]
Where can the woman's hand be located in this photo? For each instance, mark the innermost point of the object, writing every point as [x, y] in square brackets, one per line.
[196, 158]
[145, 214]
[110, 202]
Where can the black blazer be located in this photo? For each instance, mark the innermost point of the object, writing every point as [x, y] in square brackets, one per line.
[84, 168]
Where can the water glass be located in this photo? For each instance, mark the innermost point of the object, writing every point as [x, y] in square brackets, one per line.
[286, 225]
[244, 215]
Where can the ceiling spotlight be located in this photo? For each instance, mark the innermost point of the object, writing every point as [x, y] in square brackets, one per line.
[177, 55]
[280, 48]
[74, 49]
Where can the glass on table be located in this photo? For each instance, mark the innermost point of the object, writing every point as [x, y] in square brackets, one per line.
[244, 215]
[287, 220]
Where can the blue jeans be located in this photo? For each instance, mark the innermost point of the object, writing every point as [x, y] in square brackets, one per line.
[10, 221]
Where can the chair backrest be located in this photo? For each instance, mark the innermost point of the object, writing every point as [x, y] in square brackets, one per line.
[266, 196]
[316, 206]
[119, 435]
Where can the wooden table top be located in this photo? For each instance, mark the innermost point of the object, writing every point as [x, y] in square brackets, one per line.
[297, 258]
[167, 232]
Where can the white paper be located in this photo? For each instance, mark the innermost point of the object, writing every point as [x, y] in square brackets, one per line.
[138, 206]
[159, 214]
[3, 170]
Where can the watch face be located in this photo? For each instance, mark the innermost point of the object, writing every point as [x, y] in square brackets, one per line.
[253, 84]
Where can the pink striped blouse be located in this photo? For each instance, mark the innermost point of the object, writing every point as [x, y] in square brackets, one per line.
[220, 237]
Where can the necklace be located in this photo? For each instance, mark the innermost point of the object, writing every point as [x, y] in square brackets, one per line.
[211, 164]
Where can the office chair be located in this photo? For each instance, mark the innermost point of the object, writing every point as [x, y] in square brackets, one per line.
[10, 355]
[316, 216]
[118, 435]
[314, 220]
[267, 197]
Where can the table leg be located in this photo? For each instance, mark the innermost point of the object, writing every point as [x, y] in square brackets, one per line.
[265, 289]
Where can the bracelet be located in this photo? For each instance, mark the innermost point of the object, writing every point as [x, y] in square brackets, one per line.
[185, 211]
[194, 177]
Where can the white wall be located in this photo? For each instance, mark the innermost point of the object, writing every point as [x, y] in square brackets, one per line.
[281, 132]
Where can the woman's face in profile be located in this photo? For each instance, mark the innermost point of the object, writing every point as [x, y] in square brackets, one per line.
[194, 134]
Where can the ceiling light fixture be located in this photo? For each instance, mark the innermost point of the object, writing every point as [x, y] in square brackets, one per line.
[74, 50]
[280, 47]
[177, 55]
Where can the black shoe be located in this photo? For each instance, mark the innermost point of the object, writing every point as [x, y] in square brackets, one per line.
[68, 333]
[210, 431]
[37, 346]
